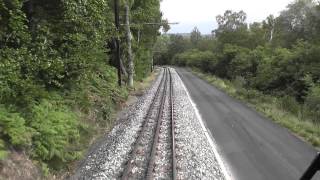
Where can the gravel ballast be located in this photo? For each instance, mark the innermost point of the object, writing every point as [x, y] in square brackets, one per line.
[195, 155]
[107, 159]
[196, 158]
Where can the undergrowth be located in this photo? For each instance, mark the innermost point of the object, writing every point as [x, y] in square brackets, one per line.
[57, 130]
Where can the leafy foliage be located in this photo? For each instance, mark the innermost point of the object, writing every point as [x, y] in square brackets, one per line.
[278, 56]
[56, 76]
[195, 36]
[313, 103]
[200, 59]
[56, 129]
[13, 127]
[98, 93]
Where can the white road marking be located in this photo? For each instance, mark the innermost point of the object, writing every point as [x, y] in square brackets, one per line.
[211, 141]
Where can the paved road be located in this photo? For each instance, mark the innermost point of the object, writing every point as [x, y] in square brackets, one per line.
[253, 147]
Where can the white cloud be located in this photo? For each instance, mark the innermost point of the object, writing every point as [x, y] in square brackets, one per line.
[202, 13]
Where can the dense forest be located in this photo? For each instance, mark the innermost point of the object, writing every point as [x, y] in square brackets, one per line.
[58, 82]
[279, 56]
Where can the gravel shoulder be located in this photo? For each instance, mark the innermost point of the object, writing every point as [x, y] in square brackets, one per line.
[196, 157]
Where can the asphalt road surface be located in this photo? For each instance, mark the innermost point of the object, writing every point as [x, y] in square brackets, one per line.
[252, 146]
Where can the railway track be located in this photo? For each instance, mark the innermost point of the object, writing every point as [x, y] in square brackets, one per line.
[153, 154]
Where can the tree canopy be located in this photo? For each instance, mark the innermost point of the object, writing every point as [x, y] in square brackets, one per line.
[278, 56]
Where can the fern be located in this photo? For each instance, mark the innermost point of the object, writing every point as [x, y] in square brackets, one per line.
[13, 126]
[56, 129]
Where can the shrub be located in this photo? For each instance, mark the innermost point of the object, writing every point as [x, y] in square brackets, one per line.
[17, 88]
[56, 129]
[13, 127]
[233, 61]
[272, 73]
[313, 103]
[142, 65]
[204, 60]
[98, 91]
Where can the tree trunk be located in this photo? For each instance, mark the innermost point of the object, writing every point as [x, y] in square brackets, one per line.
[123, 69]
[130, 55]
[271, 34]
[139, 35]
[152, 64]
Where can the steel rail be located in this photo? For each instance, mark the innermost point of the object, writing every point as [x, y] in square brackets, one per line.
[151, 162]
[129, 166]
[172, 129]
[174, 160]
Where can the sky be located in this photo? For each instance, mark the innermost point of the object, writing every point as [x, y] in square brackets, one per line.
[202, 13]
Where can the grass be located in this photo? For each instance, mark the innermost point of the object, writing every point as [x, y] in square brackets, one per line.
[270, 106]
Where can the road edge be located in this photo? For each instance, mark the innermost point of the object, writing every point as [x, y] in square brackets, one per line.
[223, 165]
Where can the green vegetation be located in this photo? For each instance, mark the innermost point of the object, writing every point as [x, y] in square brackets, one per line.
[58, 86]
[272, 64]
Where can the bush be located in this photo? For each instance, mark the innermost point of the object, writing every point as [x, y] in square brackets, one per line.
[313, 103]
[271, 71]
[204, 60]
[142, 65]
[13, 127]
[98, 93]
[56, 129]
[17, 88]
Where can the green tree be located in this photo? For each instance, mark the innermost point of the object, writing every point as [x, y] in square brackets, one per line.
[232, 29]
[296, 22]
[231, 21]
[268, 26]
[258, 36]
[161, 49]
[195, 36]
[177, 44]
